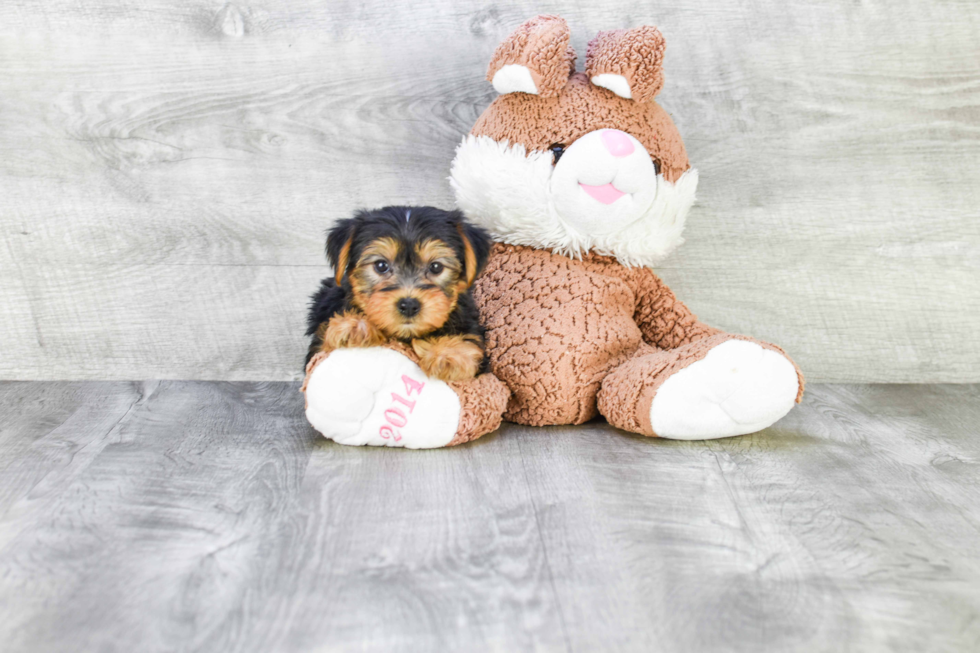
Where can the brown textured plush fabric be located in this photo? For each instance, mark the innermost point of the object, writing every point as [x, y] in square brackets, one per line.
[540, 44]
[572, 338]
[555, 327]
[482, 400]
[539, 122]
[636, 54]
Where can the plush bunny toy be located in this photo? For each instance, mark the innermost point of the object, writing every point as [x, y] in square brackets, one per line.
[583, 181]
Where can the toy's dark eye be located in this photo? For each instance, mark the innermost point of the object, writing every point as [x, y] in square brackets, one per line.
[557, 150]
[656, 166]
[435, 268]
[381, 267]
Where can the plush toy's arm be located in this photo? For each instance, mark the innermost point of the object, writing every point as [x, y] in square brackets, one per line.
[664, 320]
[379, 396]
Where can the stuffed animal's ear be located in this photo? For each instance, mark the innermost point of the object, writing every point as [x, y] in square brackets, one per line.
[628, 62]
[476, 247]
[339, 241]
[536, 58]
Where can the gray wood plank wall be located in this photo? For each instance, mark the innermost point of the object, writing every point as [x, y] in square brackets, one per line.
[167, 170]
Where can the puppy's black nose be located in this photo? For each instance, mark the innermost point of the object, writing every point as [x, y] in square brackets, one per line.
[408, 306]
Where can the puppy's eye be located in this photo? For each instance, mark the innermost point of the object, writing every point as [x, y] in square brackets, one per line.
[436, 268]
[381, 267]
[557, 150]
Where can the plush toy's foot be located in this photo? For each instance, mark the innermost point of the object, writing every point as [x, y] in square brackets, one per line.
[380, 397]
[716, 388]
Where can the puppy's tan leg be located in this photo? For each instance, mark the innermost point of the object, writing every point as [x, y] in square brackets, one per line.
[449, 358]
[350, 329]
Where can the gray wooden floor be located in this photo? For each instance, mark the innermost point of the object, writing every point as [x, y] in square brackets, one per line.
[194, 516]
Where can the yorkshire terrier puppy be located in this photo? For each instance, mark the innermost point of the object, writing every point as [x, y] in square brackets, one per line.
[404, 273]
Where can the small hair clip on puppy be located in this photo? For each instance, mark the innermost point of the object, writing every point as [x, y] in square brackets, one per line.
[404, 273]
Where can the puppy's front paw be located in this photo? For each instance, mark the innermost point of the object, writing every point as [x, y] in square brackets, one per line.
[351, 330]
[449, 358]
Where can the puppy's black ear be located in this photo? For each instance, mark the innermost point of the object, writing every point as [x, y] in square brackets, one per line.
[339, 241]
[476, 247]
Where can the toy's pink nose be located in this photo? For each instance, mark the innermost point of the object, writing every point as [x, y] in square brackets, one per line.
[618, 143]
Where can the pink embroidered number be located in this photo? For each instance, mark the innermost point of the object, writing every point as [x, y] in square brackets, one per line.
[395, 416]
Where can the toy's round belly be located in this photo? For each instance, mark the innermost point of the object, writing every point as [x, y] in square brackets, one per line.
[553, 335]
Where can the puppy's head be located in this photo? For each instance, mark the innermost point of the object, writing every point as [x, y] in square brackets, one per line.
[405, 266]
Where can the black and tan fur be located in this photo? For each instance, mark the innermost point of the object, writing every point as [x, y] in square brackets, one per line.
[404, 273]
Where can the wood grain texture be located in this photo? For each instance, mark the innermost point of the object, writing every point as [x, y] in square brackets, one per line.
[169, 168]
[199, 516]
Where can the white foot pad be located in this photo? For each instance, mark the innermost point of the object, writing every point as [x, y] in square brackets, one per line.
[377, 397]
[738, 388]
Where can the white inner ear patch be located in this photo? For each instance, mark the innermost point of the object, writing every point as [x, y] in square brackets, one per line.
[514, 78]
[615, 83]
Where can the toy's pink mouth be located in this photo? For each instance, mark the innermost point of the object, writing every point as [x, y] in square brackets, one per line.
[607, 193]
